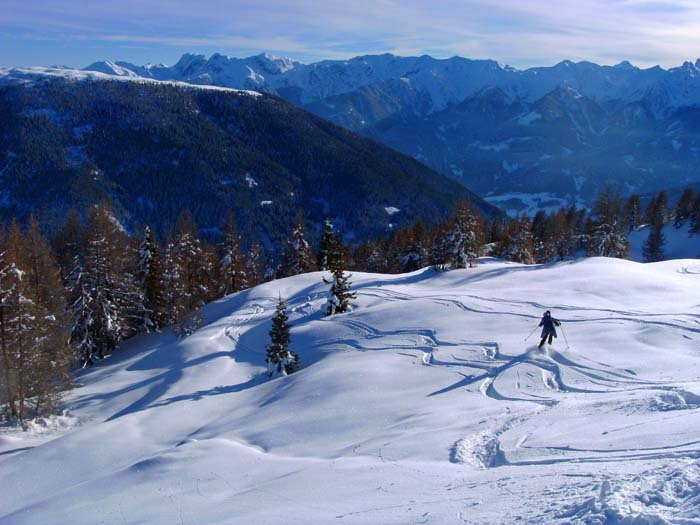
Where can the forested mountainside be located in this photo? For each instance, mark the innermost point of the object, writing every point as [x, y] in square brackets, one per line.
[153, 149]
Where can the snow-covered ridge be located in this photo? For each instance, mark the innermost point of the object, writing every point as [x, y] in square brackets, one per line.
[445, 81]
[425, 404]
[31, 75]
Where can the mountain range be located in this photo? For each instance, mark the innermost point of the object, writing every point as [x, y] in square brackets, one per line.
[151, 149]
[539, 136]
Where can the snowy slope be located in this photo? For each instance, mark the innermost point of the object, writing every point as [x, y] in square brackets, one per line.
[33, 75]
[424, 405]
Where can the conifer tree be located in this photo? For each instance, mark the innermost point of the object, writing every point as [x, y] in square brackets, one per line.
[101, 291]
[519, 243]
[683, 208]
[414, 251]
[69, 242]
[151, 283]
[232, 264]
[633, 212]
[340, 296]
[440, 248]
[33, 350]
[652, 251]
[280, 358]
[186, 274]
[608, 236]
[255, 265]
[695, 216]
[465, 236]
[328, 249]
[297, 255]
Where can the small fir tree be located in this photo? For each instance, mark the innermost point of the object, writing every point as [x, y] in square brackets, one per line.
[281, 360]
[340, 296]
[329, 248]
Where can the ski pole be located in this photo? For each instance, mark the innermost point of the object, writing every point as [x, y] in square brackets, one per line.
[530, 334]
[564, 334]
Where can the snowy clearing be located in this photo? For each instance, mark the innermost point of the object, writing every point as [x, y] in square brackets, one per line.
[425, 405]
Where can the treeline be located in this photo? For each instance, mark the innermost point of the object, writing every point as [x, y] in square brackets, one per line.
[602, 231]
[70, 302]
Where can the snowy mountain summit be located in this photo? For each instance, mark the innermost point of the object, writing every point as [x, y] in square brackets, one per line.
[425, 404]
[442, 81]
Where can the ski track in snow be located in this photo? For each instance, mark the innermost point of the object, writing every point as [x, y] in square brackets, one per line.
[532, 421]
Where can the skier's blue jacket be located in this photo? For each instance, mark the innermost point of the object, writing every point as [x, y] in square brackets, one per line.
[548, 324]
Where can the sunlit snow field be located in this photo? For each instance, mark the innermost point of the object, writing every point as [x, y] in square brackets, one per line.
[425, 405]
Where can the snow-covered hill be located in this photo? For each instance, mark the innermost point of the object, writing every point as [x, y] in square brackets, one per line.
[426, 405]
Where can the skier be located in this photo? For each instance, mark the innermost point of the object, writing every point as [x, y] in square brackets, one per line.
[548, 324]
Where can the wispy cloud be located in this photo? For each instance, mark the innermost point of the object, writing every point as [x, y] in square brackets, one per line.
[522, 33]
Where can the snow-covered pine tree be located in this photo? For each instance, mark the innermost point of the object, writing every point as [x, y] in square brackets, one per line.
[172, 287]
[280, 358]
[186, 275]
[683, 208]
[101, 292]
[297, 255]
[465, 236]
[328, 248]
[340, 294]
[232, 262]
[608, 240]
[150, 281]
[519, 242]
[608, 236]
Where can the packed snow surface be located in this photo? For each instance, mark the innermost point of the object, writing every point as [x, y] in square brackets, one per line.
[424, 405]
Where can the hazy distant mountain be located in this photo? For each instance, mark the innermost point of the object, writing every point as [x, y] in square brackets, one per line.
[564, 130]
[155, 148]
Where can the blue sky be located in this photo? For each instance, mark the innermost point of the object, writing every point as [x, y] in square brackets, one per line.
[521, 33]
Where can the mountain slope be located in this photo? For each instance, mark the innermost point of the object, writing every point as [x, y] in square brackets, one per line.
[155, 148]
[423, 404]
[635, 128]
